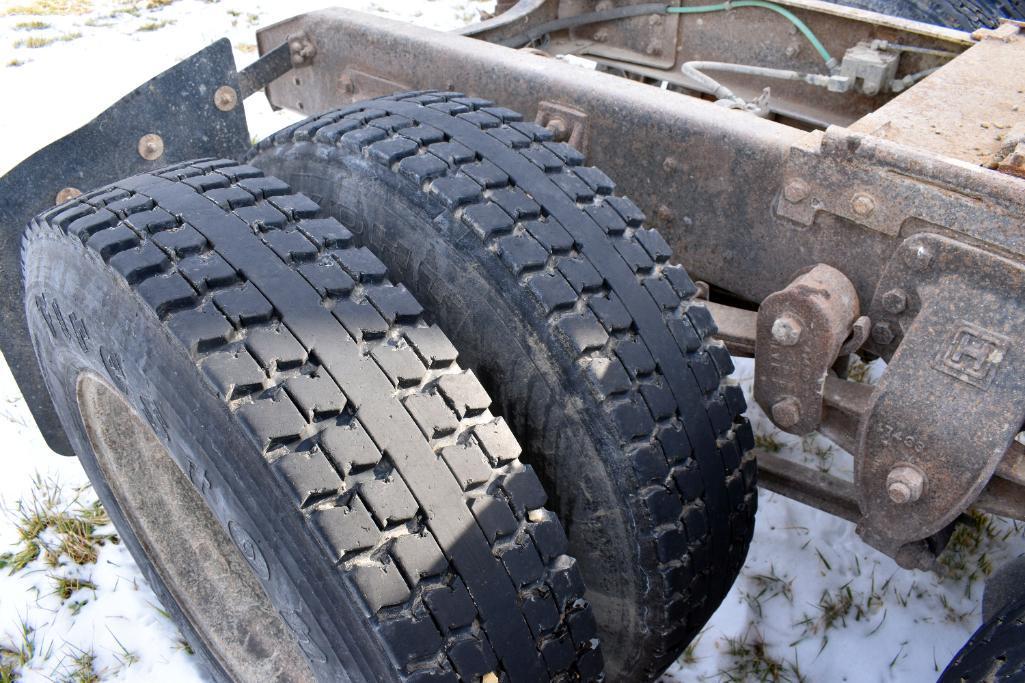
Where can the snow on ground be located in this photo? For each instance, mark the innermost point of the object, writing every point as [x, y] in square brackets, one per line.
[813, 603]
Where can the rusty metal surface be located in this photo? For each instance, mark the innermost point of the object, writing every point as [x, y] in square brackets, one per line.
[809, 486]
[952, 398]
[801, 330]
[737, 327]
[973, 125]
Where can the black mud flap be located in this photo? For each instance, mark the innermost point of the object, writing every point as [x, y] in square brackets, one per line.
[178, 105]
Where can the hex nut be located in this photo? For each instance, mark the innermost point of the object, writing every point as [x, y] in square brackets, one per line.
[882, 333]
[895, 301]
[786, 329]
[905, 484]
[557, 125]
[796, 191]
[67, 194]
[787, 412]
[151, 147]
[225, 98]
[863, 204]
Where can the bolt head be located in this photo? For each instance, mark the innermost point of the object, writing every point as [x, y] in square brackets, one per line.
[559, 128]
[67, 194]
[786, 413]
[787, 329]
[905, 484]
[882, 333]
[919, 257]
[225, 98]
[895, 301]
[863, 204]
[796, 190]
[151, 147]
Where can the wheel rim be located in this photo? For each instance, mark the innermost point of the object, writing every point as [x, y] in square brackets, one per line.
[206, 574]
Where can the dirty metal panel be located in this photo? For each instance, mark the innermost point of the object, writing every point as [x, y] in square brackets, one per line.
[648, 40]
[952, 398]
[972, 109]
[179, 107]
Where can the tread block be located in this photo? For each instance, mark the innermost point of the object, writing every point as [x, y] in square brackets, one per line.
[635, 357]
[607, 218]
[656, 246]
[389, 500]
[452, 607]
[684, 333]
[151, 222]
[549, 536]
[308, 474]
[523, 564]
[481, 119]
[550, 234]
[579, 273]
[414, 637]
[295, 206]
[274, 347]
[704, 371]
[455, 191]
[85, 227]
[349, 446]
[244, 306]
[182, 242]
[575, 188]
[327, 277]
[361, 264]
[543, 158]
[675, 444]
[487, 220]
[569, 154]
[503, 114]
[325, 233]
[399, 363]
[472, 658]
[662, 292]
[207, 271]
[422, 135]
[582, 628]
[468, 464]
[464, 394]
[688, 481]
[432, 346]
[559, 653]
[660, 400]
[112, 241]
[541, 614]
[634, 255]
[610, 312]
[230, 197]
[430, 413]
[627, 210]
[680, 281]
[552, 291]
[138, 264]
[632, 418]
[206, 181]
[609, 376]
[486, 174]
[665, 507]
[389, 151]
[494, 517]
[272, 421]
[565, 580]
[391, 122]
[509, 137]
[583, 331]
[524, 490]
[649, 464]
[237, 172]
[595, 179]
[316, 395]
[383, 586]
[533, 131]
[419, 556]
[670, 545]
[497, 441]
[452, 153]
[516, 203]
[166, 293]
[291, 246]
[233, 373]
[360, 320]
[345, 530]
[264, 187]
[262, 216]
[331, 133]
[522, 253]
[394, 303]
[422, 168]
[201, 329]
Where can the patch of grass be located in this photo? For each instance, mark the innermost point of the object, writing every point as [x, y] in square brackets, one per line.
[31, 25]
[155, 25]
[14, 62]
[157, 4]
[823, 454]
[766, 587]
[34, 42]
[183, 645]
[83, 668]
[768, 442]
[752, 661]
[14, 655]
[54, 7]
[66, 586]
[966, 556]
[246, 47]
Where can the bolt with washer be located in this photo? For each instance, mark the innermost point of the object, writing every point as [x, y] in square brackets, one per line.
[225, 98]
[151, 147]
[786, 330]
[895, 301]
[863, 204]
[905, 484]
[796, 190]
[787, 412]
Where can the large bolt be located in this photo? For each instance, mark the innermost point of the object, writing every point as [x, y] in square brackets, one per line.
[796, 190]
[559, 128]
[151, 147]
[882, 334]
[919, 257]
[787, 412]
[786, 330]
[895, 301]
[863, 204]
[225, 98]
[905, 484]
[67, 194]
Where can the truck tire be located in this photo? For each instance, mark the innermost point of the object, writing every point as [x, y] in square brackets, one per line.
[963, 15]
[995, 653]
[591, 343]
[311, 484]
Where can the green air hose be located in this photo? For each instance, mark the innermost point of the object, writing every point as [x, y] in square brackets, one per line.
[801, 26]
